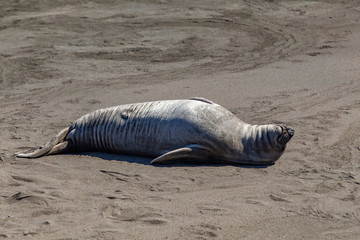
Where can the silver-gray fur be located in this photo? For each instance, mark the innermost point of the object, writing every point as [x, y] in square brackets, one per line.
[169, 130]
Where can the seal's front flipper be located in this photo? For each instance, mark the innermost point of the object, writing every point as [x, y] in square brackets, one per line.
[197, 152]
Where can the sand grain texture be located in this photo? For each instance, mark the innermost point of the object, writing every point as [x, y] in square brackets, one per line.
[290, 61]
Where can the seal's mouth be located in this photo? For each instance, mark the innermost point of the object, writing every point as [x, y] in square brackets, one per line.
[286, 135]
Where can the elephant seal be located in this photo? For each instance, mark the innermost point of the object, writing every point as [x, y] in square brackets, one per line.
[197, 128]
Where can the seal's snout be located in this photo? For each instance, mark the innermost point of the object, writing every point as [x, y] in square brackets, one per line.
[290, 131]
[286, 135]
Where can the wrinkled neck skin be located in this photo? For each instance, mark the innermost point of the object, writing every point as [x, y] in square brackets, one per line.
[257, 144]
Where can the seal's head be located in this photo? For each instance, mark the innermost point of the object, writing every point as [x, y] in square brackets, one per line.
[285, 135]
[267, 143]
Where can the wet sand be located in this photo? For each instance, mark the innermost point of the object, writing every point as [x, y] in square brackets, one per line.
[290, 61]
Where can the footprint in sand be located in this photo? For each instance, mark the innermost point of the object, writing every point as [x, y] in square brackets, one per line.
[24, 198]
[145, 215]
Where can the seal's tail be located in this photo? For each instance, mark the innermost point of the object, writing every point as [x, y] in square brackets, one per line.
[56, 145]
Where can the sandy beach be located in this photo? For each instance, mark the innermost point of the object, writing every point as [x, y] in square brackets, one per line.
[266, 61]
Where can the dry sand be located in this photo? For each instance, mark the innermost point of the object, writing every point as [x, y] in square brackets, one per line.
[290, 61]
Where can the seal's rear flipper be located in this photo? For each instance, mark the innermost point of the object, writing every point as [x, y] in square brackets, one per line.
[198, 152]
[55, 145]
